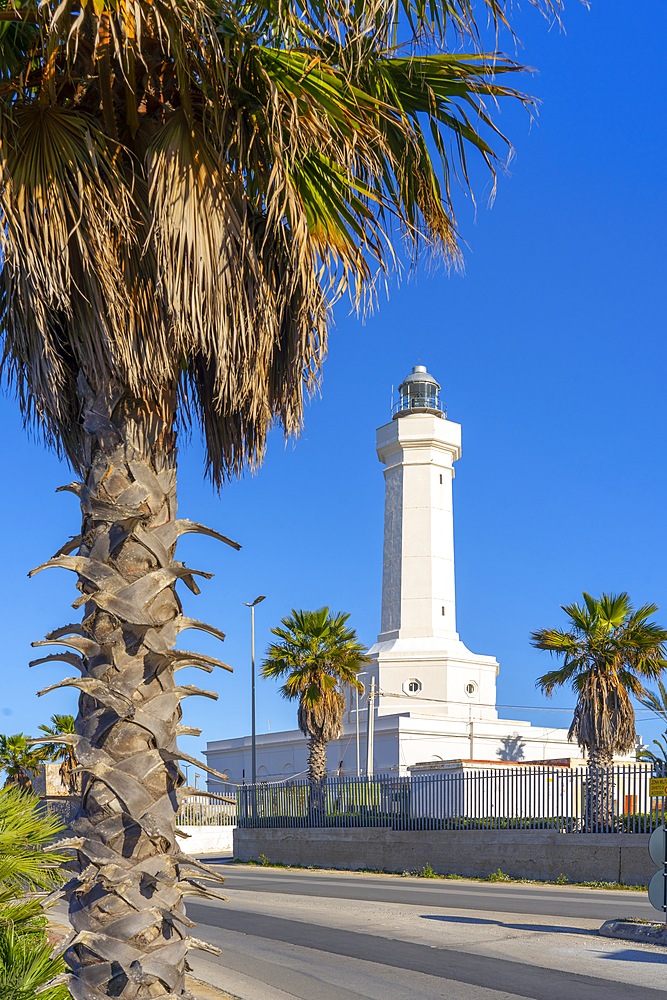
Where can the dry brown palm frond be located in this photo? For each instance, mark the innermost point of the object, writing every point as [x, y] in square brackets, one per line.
[215, 180]
[323, 719]
[604, 717]
[64, 304]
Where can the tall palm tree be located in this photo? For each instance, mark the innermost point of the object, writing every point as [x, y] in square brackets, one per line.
[318, 656]
[185, 188]
[20, 760]
[608, 653]
[63, 750]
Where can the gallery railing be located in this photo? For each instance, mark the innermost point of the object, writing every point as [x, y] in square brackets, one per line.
[571, 800]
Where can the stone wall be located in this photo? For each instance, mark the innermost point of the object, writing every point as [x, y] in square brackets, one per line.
[538, 854]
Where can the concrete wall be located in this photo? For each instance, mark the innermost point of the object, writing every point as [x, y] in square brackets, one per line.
[539, 854]
[207, 839]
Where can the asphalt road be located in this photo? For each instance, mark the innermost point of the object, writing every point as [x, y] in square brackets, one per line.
[321, 936]
[548, 900]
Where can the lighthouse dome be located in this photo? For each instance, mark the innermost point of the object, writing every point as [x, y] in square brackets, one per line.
[419, 392]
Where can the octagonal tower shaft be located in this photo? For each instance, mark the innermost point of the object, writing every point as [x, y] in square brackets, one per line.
[418, 450]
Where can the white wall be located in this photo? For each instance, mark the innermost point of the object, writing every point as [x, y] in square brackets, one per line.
[400, 741]
[207, 839]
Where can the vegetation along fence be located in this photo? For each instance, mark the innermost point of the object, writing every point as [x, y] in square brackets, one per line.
[605, 800]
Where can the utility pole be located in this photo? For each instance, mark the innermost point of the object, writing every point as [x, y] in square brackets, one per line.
[370, 730]
[356, 724]
[253, 738]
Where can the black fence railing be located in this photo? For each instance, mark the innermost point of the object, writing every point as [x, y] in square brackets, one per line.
[605, 800]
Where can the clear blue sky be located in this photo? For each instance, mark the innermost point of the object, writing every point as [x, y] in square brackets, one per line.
[551, 352]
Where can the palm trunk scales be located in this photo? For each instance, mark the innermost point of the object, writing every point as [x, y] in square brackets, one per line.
[599, 804]
[317, 759]
[130, 933]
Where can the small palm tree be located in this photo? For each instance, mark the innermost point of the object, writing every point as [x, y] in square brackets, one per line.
[28, 865]
[319, 656]
[63, 725]
[608, 653]
[19, 760]
[657, 703]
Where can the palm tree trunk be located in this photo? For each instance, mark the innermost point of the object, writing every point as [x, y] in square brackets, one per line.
[130, 931]
[317, 759]
[317, 776]
[599, 812]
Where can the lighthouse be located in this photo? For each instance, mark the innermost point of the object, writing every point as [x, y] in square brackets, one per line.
[419, 654]
[428, 701]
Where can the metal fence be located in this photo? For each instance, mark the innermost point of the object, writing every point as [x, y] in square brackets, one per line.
[606, 800]
[204, 809]
[195, 809]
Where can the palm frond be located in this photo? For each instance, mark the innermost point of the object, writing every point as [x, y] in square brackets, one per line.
[187, 188]
[657, 703]
[26, 831]
[27, 967]
[611, 651]
[319, 656]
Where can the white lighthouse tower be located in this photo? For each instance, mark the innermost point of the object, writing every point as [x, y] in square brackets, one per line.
[418, 652]
[428, 701]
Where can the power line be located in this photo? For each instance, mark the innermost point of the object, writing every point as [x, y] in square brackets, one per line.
[644, 712]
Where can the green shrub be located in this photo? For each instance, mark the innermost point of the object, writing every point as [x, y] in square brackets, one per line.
[28, 865]
[498, 876]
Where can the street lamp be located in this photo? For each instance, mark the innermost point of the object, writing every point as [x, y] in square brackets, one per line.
[364, 673]
[252, 607]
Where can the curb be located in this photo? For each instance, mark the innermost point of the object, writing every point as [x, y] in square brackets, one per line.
[202, 990]
[630, 930]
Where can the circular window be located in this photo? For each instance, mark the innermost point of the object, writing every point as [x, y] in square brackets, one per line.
[471, 689]
[412, 686]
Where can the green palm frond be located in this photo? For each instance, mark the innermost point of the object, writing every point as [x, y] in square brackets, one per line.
[611, 650]
[26, 831]
[318, 655]
[62, 750]
[657, 757]
[657, 703]
[19, 759]
[28, 864]
[27, 967]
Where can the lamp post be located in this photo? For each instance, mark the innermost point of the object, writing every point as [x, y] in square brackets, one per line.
[356, 721]
[370, 730]
[253, 738]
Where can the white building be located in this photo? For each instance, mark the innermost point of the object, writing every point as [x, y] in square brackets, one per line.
[435, 700]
